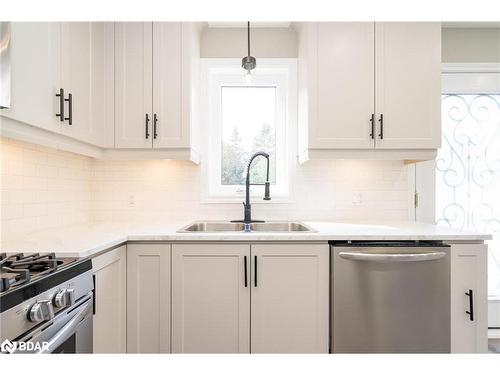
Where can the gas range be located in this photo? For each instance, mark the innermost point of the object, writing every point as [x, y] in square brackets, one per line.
[18, 269]
[46, 304]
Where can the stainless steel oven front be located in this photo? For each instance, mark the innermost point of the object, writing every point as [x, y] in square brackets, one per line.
[52, 314]
[69, 332]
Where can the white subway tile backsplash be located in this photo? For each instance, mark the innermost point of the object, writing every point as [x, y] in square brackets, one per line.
[323, 190]
[35, 194]
[43, 187]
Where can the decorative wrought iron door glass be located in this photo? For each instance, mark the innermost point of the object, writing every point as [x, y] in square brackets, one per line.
[468, 171]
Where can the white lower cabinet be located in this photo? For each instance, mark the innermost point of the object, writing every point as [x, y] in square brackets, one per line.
[148, 298]
[247, 298]
[210, 302]
[278, 305]
[469, 313]
[109, 325]
[290, 298]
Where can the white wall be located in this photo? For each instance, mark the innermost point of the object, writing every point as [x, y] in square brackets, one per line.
[470, 45]
[458, 44]
[42, 187]
[232, 42]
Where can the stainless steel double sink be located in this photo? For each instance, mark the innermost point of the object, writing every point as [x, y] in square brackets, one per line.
[226, 226]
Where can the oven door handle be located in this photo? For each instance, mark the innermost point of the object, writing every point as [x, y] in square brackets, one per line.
[392, 257]
[65, 332]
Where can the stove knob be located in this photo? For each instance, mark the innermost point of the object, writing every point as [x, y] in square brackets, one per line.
[41, 311]
[65, 297]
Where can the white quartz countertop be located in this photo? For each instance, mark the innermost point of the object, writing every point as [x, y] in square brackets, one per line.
[89, 240]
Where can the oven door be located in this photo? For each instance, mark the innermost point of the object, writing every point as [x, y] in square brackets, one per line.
[69, 332]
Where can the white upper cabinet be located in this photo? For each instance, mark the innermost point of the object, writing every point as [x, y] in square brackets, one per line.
[156, 85]
[369, 90]
[35, 69]
[134, 84]
[408, 84]
[62, 79]
[167, 85]
[345, 85]
[87, 76]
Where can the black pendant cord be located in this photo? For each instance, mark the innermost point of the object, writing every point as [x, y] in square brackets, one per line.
[248, 37]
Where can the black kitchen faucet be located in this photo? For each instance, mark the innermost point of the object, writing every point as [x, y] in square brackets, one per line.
[247, 207]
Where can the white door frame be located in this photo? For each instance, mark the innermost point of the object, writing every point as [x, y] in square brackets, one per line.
[460, 78]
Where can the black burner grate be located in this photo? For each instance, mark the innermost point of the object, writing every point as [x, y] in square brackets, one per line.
[19, 268]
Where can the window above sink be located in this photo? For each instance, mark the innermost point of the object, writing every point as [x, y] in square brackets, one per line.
[244, 116]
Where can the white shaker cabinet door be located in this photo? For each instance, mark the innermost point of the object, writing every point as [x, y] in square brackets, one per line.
[148, 298]
[35, 74]
[210, 302]
[408, 85]
[87, 75]
[290, 298]
[76, 70]
[110, 283]
[102, 111]
[133, 84]
[345, 85]
[168, 130]
[469, 333]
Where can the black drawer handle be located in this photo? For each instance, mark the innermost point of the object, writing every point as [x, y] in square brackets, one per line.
[155, 121]
[61, 105]
[381, 120]
[147, 125]
[471, 304]
[372, 122]
[94, 296]
[245, 270]
[70, 109]
[255, 271]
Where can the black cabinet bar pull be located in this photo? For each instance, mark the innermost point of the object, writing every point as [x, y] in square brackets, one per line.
[245, 269]
[381, 120]
[471, 304]
[147, 125]
[372, 121]
[255, 271]
[93, 297]
[61, 105]
[70, 109]
[155, 120]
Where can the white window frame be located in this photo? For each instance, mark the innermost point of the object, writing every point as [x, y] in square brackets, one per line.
[217, 73]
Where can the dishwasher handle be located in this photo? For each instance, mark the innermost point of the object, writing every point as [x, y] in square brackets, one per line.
[392, 257]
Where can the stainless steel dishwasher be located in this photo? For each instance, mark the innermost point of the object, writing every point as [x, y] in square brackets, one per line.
[390, 297]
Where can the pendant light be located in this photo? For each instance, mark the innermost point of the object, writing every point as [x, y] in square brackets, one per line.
[248, 62]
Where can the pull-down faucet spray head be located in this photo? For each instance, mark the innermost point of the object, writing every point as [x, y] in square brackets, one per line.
[267, 184]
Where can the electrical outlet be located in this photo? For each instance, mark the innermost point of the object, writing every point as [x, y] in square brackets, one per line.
[131, 200]
[357, 199]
